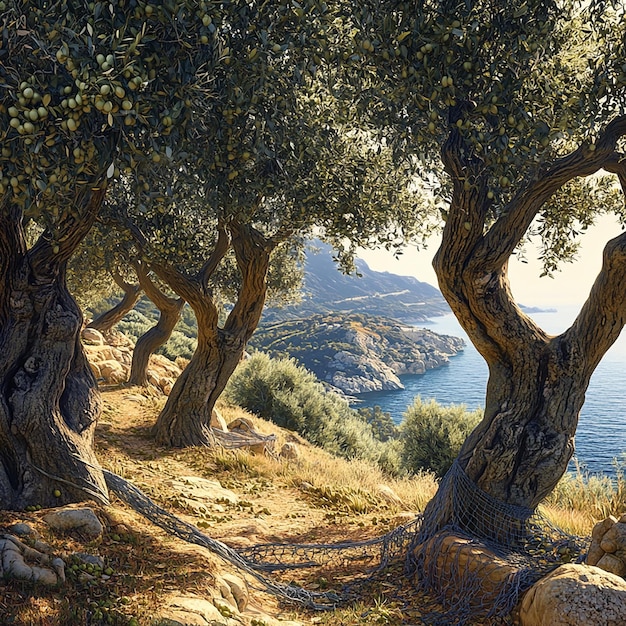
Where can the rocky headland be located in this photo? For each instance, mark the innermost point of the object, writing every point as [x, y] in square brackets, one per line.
[357, 353]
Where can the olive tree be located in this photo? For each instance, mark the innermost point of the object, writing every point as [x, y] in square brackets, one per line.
[274, 157]
[82, 83]
[525, 105]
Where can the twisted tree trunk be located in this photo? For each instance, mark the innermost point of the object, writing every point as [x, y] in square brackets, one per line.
[185, 419]
[537, 382]
[109, 318]
[169, 315]
[49, 401]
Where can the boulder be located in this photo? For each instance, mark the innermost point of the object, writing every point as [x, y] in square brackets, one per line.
[84, 520]
[575, 595]
[608, 545]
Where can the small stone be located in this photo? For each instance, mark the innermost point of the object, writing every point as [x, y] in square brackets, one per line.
[290, 451]
[242, 424]
[22, 529]
[83, 520]
[613, 564]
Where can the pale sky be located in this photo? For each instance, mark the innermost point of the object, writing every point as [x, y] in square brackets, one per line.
[568, 287]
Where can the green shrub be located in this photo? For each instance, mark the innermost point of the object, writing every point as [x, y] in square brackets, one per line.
[287, 394]
[383, 427]
[432, 434]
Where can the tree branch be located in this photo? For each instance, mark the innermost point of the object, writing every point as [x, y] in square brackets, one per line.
[161, 301]
[252, 252]
[72, 229]
[221, 248]
[603, 315]
[504, 236]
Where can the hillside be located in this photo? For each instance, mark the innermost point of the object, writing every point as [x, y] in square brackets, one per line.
[151, 578]
[327, 290]
[357, 353]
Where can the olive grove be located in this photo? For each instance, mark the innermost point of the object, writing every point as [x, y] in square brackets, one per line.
[219, 103]
[271, 160]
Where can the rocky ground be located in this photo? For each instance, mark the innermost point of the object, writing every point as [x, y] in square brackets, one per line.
[93, 564]
[128, 571]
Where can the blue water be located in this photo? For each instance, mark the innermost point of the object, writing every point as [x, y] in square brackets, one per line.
[601, 434]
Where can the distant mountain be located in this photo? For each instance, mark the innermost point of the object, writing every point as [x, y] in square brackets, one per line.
[327, 290]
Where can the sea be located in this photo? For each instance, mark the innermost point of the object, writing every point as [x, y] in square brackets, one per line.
[601, 433]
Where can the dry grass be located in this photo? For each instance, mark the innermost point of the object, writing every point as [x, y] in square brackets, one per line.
[317, 498]
[582, 499]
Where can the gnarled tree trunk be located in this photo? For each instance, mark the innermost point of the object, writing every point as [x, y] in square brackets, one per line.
[537, 382]
[109, 318]
[49, 401]
[169, 314]
[186, 416]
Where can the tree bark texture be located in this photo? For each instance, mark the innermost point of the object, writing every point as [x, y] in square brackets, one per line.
[186, 416]
[49, 401]
[169, 315]
[537, 382]
[109, 318]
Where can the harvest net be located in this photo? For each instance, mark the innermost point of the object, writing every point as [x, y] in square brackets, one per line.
[475, 566]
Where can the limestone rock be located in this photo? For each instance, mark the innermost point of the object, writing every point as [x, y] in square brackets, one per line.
[92, 336]
[612, 563]
[191, 610]
[84, 520]
[608, 545]
[21, 529]
[289, 451]
[238, 589]
[575, 595]
[113, 371]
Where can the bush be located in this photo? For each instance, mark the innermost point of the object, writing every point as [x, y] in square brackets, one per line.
[287, 394]
[381, 423]
[432, 435]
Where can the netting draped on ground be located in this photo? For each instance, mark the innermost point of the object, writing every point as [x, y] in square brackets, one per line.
[488, 552]
[524, 545]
